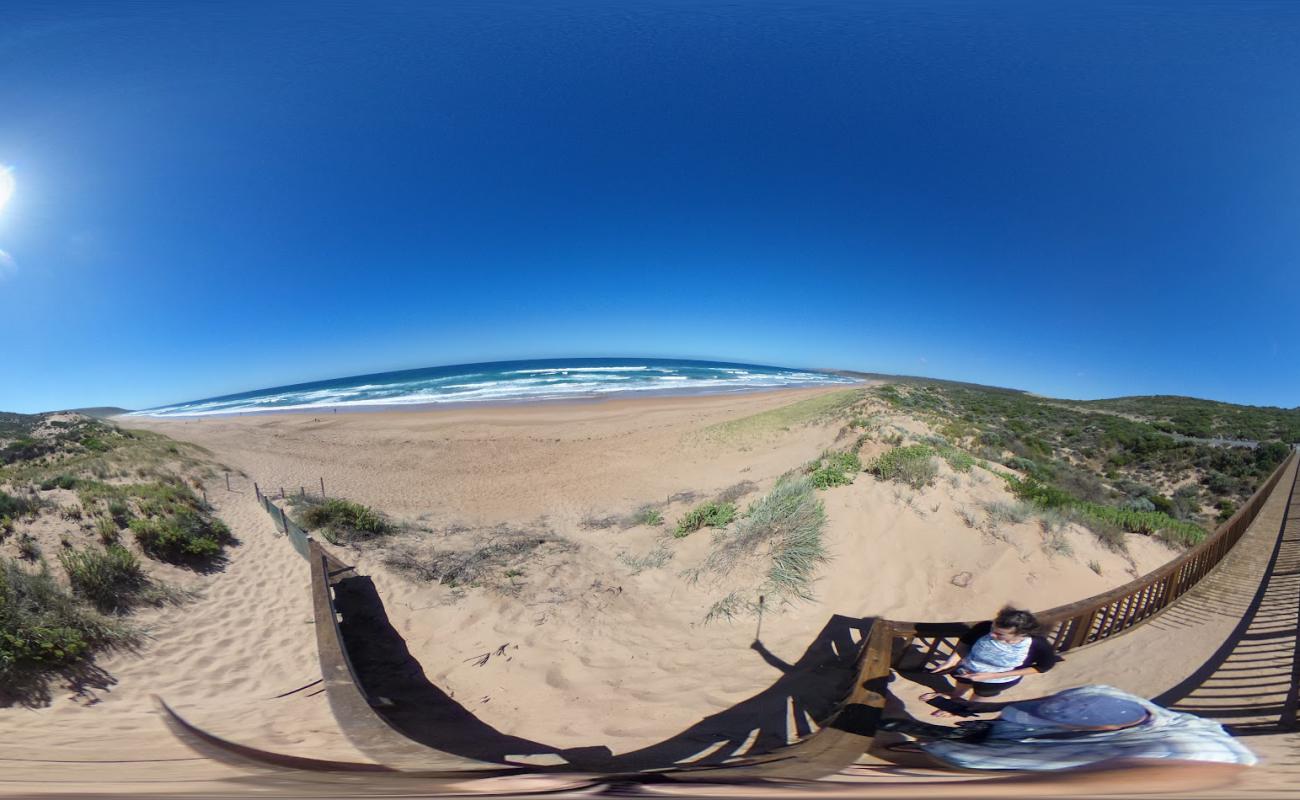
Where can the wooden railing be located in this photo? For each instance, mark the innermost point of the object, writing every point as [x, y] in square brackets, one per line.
[891, 644]
[1086, 622]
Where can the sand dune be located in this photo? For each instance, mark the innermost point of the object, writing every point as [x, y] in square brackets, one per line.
[578, 649]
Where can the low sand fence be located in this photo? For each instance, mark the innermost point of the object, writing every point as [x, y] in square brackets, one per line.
[298, 537]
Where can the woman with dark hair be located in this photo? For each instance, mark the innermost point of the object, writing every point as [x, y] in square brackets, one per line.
[993, 656]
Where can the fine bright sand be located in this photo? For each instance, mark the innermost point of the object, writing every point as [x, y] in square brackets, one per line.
[597, 637]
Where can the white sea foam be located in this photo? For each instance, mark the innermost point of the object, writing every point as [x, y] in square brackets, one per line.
[556, 370]
[531, 384]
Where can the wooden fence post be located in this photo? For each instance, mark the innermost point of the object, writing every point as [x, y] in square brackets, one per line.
[322, 487]
[227, 481]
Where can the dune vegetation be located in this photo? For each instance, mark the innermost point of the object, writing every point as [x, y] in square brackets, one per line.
[85, 508]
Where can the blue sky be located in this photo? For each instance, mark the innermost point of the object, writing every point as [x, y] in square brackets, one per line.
[1082, 200]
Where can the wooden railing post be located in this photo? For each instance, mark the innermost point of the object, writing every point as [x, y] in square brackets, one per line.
[1081, 625]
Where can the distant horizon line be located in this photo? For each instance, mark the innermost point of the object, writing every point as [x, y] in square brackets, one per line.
[642, 359]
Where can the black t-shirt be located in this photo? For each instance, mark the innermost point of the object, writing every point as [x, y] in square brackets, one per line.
[1042, 656]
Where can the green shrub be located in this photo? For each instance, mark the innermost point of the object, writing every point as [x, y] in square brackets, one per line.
[1226, 509]
[109, 579]
[120, 512]
[913, 465]
[186, 536]
[107, 530]
[1104, 520]
[42, 627]
[15, 507]
[959, 460]
[834, 469]
[59, 482]
[713, 515]
[342, 520]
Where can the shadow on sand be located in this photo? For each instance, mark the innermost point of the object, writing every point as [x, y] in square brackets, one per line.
[807, 690]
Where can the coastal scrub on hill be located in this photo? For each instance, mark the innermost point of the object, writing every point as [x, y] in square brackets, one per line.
[1052, 465]
[85, 509]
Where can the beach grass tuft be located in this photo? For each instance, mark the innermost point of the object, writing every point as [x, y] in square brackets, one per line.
[43, 627]
[783, 532]
[654, 559]
[710, 515]
[110, 579]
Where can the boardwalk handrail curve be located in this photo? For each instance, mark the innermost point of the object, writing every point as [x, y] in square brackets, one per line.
[1094, 619]
[847, 731]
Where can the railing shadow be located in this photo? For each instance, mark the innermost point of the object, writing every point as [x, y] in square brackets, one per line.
[807, 691]
[386, 669]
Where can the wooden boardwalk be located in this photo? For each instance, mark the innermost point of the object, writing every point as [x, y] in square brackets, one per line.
[1226, 650]
[1213, 634]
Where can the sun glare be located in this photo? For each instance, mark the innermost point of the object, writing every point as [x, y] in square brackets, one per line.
[6, 186]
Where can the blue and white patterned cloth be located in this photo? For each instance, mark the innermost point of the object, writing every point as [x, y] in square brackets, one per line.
[990, 655]
[1012, 742]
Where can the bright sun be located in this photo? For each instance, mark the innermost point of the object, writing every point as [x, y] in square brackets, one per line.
[6, 186]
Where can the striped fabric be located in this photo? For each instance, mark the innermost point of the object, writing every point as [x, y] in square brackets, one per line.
[990, 655]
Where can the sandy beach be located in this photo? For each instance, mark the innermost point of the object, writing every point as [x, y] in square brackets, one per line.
[581, 645]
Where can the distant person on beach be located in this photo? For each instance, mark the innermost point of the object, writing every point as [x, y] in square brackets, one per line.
[994, 656]
[1089, 726]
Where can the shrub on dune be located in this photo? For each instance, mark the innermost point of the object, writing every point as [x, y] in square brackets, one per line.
[712, 515]
[341, 521]
[184, 536]
[913, 465]
[110, 579]
[834, 469]
[42, 627]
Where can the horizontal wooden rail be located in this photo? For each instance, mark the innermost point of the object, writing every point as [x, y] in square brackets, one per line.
[1111, 613]
[846, 733]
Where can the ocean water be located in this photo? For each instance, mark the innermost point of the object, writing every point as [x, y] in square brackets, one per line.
[509, 381]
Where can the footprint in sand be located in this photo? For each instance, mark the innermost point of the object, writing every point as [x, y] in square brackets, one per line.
[556, 680]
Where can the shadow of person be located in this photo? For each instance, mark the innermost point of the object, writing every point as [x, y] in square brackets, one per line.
[807, 690]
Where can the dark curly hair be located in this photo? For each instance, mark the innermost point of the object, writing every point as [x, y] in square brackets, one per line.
[1016, 619]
